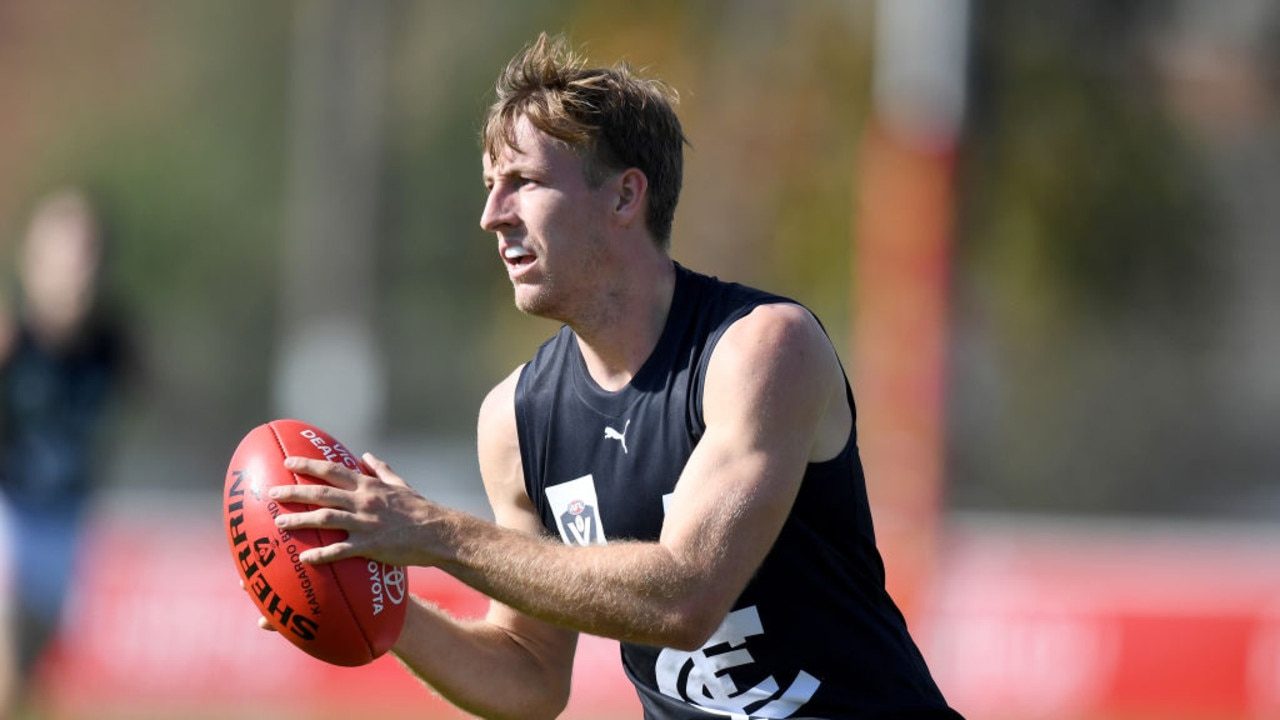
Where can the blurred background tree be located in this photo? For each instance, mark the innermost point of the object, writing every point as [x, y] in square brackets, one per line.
[1096, 280]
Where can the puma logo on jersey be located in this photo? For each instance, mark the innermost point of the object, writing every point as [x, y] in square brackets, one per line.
[611, 434]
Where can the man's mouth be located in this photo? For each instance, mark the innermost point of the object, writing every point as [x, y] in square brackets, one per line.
[517, 256]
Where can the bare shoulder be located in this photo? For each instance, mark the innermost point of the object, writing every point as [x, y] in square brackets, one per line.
[497, 421]
[776, 334]
[498, 450]
[776, 370]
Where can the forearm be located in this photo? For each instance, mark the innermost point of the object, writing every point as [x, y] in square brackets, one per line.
[485, 668]
[630, 591]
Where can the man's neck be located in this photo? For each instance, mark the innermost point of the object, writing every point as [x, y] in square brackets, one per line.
[615, 350]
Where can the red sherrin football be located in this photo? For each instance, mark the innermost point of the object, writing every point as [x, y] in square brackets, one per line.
[346, 613]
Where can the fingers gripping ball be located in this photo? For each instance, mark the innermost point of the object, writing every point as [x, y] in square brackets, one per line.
[347, 612]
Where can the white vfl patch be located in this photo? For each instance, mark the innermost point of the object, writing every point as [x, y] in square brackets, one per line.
[577, 511]
[704, 678]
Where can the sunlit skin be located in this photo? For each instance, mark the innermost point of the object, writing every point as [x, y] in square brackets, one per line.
[577, 254]
[548, 224]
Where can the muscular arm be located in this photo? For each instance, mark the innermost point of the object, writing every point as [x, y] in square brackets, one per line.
[768, 406]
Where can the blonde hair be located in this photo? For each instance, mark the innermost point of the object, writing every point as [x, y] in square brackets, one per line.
[613, 118]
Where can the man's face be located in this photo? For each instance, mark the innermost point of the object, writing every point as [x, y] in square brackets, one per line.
[60, 266]
[549, 223]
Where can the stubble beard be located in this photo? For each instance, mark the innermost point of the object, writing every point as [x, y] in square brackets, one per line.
[585, 303]
[536, 301]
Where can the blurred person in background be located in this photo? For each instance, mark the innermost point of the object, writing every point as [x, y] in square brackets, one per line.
[690, 442]
[61, 356]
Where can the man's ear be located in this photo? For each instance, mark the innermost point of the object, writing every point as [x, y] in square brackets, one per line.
[632, 189]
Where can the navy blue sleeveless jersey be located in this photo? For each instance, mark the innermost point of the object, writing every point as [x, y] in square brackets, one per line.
[814, 634]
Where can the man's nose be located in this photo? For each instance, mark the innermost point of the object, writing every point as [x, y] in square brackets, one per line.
[498, 212]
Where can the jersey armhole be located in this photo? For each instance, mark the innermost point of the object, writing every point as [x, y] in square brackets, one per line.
[526, 441]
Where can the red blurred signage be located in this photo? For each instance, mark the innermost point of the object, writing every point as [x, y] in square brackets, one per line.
[1025, 622]
[160, 628]
[1052, 621]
